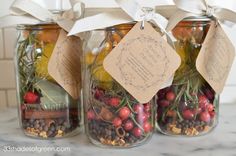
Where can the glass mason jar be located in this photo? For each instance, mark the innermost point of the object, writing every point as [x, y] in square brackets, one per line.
[189, 107]
[45, 108]
[112, 116]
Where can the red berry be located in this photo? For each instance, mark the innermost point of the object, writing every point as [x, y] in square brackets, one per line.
[164, 103]
[170, 96]
[210, 107]
[141, 118]
[138, 108]
[203, 101]
[124, 113]
[128, 125]
[137, 132]
[98, 93]
[147, 107]
[91, 115]
[31, 98]
[117, 122]
[188, 114]
[115, 102]
[147, 127]
[23, 107]
[209, 94]
[212, 114]
[205, 116]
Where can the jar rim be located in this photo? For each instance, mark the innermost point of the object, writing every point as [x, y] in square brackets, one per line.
[199, 18]
[41, 26]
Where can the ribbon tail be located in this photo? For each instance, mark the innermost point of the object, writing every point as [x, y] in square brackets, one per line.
[101, 21]
[225, 14]
[29, 7]
[9, 20]
[132, 8]
[66, 24]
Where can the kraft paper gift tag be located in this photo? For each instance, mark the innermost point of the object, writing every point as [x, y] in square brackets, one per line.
[216, 57]
[142, 62]
[65, 66]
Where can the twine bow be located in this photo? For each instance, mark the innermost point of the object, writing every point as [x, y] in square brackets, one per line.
[29, 12]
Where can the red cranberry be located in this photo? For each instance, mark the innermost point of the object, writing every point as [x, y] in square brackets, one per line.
[210, 107]
[188, 114]
[147, 127]
[117, 122]
[137, 132]
[205, 116]
[115, 102]
[23, 107]
[141, 118]
[212, 114]
[91, 115]
[170, 96]
[203, 101]
[98, 93]
[31, 98]
[124, 113]
[209, 94]
[128, 125]
[138, 108]
[164, 103]
[161, 94]
[147, 107]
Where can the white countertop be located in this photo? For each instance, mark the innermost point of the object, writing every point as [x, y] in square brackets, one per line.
[221, 142]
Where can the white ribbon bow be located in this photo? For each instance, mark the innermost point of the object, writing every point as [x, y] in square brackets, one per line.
[132, 12]
[193, 8]
[29, 12]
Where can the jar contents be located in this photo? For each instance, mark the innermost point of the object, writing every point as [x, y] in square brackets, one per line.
[113, 116]
[46, 110]
[189, 106]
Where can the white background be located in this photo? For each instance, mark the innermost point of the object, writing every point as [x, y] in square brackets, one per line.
[229, 94]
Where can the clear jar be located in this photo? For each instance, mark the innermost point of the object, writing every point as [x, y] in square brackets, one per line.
[112, 116]
[189, 107]
[46, 110]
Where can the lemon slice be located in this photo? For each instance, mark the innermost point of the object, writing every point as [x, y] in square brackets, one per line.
[41, 64]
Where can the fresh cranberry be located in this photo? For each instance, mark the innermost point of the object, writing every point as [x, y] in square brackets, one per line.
[141, 118]
[31, 98]
[137, 132]
[212, 114]
[203, 101]
[147, 127]
[209, 94]
[147, 107]
[164, 103]
[138, 108]
[117, 122]
[23, 107]
[124, 113]
[188, 114]
[210, 107]
[98, 93]
[115, 102]
[91, 115]
[128, 125]
[161, 94]
[170, 96]
[205, 116]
